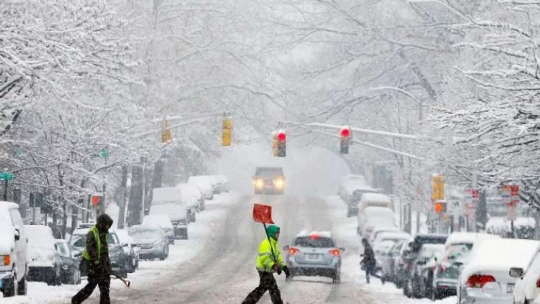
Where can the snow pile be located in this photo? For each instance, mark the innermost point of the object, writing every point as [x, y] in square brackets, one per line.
[468, 238]
[524, 227]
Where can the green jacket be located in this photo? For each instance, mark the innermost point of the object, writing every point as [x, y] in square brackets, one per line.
[265, 260]
[93, 254]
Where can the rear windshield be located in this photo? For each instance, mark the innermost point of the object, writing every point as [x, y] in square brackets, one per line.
[269, 172]
[451, 272]
[319, 242]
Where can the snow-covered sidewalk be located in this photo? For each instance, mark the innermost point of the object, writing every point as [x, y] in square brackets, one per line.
[207, 223]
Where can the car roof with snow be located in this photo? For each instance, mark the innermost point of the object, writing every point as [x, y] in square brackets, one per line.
[468, 238]
[396, 235]
[499, 255]
[306, 233]
[375, 211]
[375, 197]
[8, 205]
[161, 220]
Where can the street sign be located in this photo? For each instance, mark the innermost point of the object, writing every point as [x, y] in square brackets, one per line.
[6, 176]
[510, 197]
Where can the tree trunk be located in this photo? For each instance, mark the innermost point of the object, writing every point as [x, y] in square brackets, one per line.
[135, 198]
[64, 217]
[75, 215]
[122, 199]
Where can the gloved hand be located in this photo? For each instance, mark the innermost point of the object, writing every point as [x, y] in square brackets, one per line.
[277, 269]
[287, 271]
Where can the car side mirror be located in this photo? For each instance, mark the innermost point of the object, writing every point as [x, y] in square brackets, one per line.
[516, 272]
[286, 247]
[17, 235]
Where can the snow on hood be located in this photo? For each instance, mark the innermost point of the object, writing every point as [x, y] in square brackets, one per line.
[498, 256]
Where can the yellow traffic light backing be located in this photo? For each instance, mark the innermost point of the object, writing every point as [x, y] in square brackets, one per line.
[437, 182]
[166, 135]
[226, 137]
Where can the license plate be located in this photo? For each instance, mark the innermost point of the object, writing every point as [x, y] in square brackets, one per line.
[510, 288]
[313, 257]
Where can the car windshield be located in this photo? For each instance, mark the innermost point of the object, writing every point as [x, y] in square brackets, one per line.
[145, 232]
[63, 249]
[314, 242]
[79, 240]
[458, 252]
[269, 172]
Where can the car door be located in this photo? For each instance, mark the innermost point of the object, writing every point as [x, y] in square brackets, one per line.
[21, 244]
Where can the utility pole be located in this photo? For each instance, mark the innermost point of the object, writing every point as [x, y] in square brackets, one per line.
[474, 182]
[143, 161]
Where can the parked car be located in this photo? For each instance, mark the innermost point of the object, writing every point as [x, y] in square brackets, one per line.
[375, 200]
[223, 183]
[269, 180]
[380, 229]
[169, 202]
[131, 251]
[403, 264]
[349, 184]
[193, 192]
[44, 263]
[69, 263]
[389, 263]
[487, 278]
[375, 216]
[205, 184]
[152, 241]
[527, 287]
[382, 249]
[446, 273]
[117, 255]
[355, 197]
[163, 221]
[314, 254]
[13, 247]
[421, 277]
[384, 241]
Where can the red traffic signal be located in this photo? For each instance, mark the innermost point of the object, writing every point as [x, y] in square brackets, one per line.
[97, 200]
[345, 132]
[282, 136]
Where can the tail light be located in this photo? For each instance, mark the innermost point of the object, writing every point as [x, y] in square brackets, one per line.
[293, 251]
[479, 280]
[538, 283]
[7, 260]
[335, 252]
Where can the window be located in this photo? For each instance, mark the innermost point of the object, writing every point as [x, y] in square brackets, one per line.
[320, 242]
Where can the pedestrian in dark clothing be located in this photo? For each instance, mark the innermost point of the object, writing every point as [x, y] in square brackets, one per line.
[268, 262]
[96, 262]
[369, 262]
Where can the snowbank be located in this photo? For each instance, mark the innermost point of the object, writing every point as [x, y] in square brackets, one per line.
[468, 238]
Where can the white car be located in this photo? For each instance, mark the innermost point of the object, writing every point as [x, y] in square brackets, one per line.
[378, 230]
[193, 193]
[44, 263]
[384, 242]
[375, 216]
[13, 251]
[163, 221]
[486, 277]
[204, 184]
[528, 284]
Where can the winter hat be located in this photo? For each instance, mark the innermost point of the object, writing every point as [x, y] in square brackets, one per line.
[272, 230]
[104, 222]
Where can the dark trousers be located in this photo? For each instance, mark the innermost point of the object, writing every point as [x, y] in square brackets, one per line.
[267, 282]
[104, 283]
[370, 271]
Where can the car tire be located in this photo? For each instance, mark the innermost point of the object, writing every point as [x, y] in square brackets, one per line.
[336, 278]
[406, 290]
[10, 288]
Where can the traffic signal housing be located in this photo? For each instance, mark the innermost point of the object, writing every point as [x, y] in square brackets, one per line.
[345, 140]
[281, 143]
[440, 207]
[97, 200]
[226, 137]
[437, 183]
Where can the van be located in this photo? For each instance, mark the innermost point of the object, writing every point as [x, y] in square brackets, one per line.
[168, 201]
[354, 199]
[13, 251]
[375, 200]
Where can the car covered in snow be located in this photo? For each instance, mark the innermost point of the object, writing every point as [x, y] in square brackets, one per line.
[13, 251]
[375, 200]
[206, 184]
[117, 255]
[385, 241]
[152, 241]
[193, 192]
[354, 199]
[527, 287]
[169, 201]
[70, 273]
[487, 277]
[269, 180]
[44, 263]
[163, 221]
[419, 281]
[349, 183]
[372, 217]
[314, 254]
[375, 232]
[390, 262]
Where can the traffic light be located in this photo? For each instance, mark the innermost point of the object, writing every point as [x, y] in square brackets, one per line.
[345, 134]
[440, 207]
[281, 143]
[166, 135]
[97, 200]
[226, 137]
[437, 183]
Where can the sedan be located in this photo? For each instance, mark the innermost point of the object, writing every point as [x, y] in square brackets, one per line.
[152, 241]
[70, 273]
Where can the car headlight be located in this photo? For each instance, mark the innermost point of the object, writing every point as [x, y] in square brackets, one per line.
[259, 183]
[279, 183]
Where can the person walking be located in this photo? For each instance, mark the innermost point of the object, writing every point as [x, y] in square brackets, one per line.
[96, 262]
[268, 262]
[369, 262]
